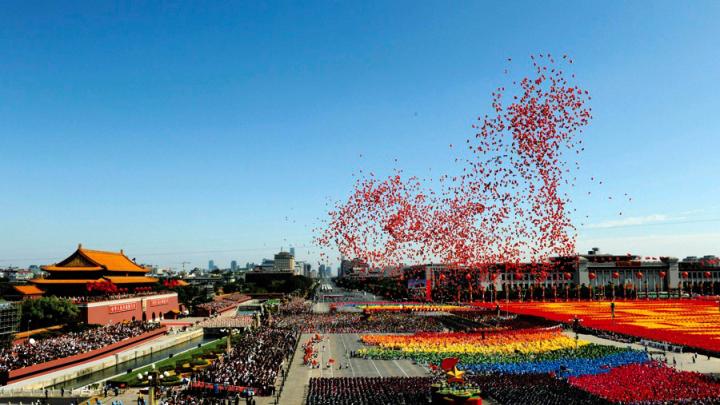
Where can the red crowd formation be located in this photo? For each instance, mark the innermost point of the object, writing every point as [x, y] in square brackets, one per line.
[650, 382]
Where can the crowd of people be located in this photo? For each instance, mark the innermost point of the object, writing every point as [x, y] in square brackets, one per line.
[203, 397]
[254, 360]
[237, 321]
[122, 293]
[532, 389]
[353, 322]
[33, 352]
[221, 303]
[652, 382]
[295, 306]
[369, 391]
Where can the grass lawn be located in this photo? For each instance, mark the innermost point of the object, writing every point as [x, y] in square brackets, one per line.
[132, 379]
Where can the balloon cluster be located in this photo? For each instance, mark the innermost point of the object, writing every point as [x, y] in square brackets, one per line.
[508, 204]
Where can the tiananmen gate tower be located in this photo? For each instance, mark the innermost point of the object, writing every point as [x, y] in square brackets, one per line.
[137, 296]
[71, 276]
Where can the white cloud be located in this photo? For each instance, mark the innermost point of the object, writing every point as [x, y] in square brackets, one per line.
[677, 245]
[633, 221]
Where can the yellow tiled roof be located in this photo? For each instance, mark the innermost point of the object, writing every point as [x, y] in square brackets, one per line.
[42, 281]
[111, 260]
[131, 280]
[96, 260]
[71, 268]
[28, 290]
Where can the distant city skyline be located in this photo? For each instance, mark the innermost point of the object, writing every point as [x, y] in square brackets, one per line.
[188, 133]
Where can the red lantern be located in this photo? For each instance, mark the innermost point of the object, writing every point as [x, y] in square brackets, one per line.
[568, 276]
[708, 274]
[685, 274]
[616, 275]
[639, 275]
[592, 276]
[662, 274]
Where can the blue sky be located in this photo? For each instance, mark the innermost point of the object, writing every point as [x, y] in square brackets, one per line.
[188, 132]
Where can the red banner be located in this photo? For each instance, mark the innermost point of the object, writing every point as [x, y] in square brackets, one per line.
[114, 309]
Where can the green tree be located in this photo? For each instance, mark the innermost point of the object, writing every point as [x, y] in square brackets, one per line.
[192, 295]
[231, 288]
[48, 311]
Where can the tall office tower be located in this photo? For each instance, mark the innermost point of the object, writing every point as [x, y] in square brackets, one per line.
[284, 261]
[233, 266]
[211, 265]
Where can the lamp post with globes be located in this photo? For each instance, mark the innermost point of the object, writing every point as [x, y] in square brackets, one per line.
[153, 378]
[230, 332]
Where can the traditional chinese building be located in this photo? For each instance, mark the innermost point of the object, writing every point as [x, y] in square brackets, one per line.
[72, 276]
[81, 275]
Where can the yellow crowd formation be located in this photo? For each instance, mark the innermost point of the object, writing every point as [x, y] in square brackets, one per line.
[526, 342]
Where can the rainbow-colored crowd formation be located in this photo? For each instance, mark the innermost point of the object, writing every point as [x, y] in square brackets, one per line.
[600, 371]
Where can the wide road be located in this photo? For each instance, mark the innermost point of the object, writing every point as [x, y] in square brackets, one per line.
[338, 347]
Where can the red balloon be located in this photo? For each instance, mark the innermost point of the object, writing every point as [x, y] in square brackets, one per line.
[662, 274]
[708, 274]
[518, 276]
[685, 274]
[442, 277]
[568, 276]
[639, 275]
[519, 149]
[616, 275]
[468, 276]
[592, 276]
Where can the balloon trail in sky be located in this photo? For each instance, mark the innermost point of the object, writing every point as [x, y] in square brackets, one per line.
[508, 201]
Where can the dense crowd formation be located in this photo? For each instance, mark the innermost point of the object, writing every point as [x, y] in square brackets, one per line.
[254, 360]
[655, 320]
[651, 383]
[352, 322]
[221, 303]
[369, 391]
[294, 306]
[237, 321]
[203, 397]
[507, 352]
[33, 352]
[374, 308]
[532, 389]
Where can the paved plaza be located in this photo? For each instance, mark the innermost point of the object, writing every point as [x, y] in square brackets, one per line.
[338, 347]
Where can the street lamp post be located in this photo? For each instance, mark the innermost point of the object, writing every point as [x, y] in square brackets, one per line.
[153, 378]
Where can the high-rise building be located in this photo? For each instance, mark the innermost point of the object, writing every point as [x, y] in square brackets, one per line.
[354, 266]
[321, 271]
[292, 251]
[211, 265]
[284, 261]
[233, 266]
